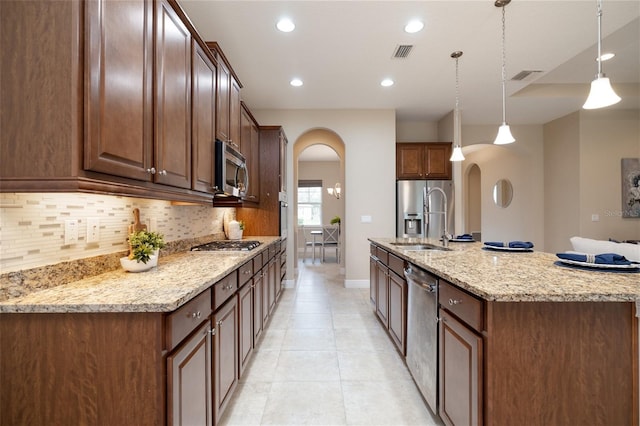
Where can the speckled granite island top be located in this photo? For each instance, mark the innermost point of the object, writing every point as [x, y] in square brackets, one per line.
[177, 279]
[518, 276]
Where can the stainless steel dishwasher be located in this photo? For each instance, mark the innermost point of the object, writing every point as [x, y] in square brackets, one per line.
[422, 332]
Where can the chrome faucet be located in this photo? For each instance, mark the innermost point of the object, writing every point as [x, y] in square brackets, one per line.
[425, 206]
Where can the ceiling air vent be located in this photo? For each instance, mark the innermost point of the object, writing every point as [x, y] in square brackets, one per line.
[526, 75]
[402, 51]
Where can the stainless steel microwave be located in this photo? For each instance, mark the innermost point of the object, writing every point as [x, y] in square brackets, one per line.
[231, 176]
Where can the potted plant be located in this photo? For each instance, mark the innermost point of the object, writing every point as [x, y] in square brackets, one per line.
[144, 247]
[335, 220]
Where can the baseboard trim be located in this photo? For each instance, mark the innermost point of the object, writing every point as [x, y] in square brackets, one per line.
[356, 283]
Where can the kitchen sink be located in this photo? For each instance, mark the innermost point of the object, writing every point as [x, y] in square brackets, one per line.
[419, 246]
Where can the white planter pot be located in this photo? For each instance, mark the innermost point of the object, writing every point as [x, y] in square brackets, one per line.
[135, 266]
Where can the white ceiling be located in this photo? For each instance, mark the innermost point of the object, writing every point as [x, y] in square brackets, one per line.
[343, 49]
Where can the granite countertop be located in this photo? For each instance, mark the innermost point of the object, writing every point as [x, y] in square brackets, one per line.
[177, 279]
[518, 276]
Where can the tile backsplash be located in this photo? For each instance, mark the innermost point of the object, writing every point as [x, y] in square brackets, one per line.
[32, 225]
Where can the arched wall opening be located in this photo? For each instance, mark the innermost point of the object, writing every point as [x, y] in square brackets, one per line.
[329, 138]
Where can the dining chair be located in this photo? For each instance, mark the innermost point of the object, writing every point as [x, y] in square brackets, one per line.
[331, 240]
[310, 241]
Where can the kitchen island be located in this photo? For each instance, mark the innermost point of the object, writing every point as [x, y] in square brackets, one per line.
[524, 341]
[165, 346]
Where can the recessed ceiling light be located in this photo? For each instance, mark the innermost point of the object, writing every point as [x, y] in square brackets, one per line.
[296, 82]
[606, 56]
[414, 26]
[285, 25]
[386, 82]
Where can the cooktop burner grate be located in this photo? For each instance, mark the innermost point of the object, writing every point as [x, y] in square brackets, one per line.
[227, 245]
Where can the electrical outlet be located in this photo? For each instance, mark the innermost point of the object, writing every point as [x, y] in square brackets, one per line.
[93, 230]
[595, 217]
[71, 231]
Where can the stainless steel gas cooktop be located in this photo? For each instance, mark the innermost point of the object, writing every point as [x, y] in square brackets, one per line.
[227, 245]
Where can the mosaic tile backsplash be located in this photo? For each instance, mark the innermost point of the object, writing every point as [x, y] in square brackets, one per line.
[32, 225]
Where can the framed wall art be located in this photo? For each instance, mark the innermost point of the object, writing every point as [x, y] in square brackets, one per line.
[631, 187]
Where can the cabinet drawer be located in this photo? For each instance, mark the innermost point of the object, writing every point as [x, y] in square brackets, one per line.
[463, 305]
[257, 263]
[224, 289]
[396, 264]
[181, 322]
[372, 249]
[272, 250]
[245, 273]
[383, 255]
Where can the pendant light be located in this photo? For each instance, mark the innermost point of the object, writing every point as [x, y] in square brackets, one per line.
[456, 155]
[504, 132]
[601, 94]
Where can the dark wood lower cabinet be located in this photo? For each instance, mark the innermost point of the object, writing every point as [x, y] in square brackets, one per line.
[189, 381]
[460, 373]
[245, 328]
[258, 306]
[373, 280]
[398, 311]
[225, 356]
[382, 294]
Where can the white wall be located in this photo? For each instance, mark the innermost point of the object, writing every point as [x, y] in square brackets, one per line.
[369, 137]
[582, 167]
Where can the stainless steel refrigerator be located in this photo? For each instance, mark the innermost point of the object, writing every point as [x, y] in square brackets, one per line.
[412, 218]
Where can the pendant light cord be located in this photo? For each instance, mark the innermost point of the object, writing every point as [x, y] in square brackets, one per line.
[504, 71]
[456, 117]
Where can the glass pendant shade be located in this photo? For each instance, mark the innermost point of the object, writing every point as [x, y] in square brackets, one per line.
[504, 135]
[457, 154]
[601, 94]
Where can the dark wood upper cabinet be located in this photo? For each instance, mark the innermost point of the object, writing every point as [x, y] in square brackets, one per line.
[234, 114]
[173, 99]
[119, 76]
[423, 160]
[203, 124]
[250, 145]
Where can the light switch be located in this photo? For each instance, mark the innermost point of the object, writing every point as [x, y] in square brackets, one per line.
[595, 218]
[365, 219]
[71, 231]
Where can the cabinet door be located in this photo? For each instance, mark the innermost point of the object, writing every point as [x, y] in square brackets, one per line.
[258, 295]
[436, 161]
[223, 93]
[278, 277]
[409, 161]
[398, 311]
[225, 365]
[203, 120]
[234, 113]
[382, 295]
[173, 99]
[283, 161]
[118, 75]
[189, 381]
[460, 373]
[245, 315]
[271, 274]
[373, 281]
[250, 146]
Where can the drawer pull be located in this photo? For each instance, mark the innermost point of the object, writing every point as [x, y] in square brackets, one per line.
[194, 315]
[454, 302]
[212, 332]
[247, 272]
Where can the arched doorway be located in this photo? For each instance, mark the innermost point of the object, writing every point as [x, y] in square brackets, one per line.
[318, 156]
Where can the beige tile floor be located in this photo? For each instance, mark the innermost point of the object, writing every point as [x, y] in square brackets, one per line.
[324, 359]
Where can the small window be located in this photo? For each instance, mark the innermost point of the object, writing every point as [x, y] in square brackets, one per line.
[309, 202]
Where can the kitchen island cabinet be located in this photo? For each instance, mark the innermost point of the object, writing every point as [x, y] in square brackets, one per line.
[523, 341]
[154, 348]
